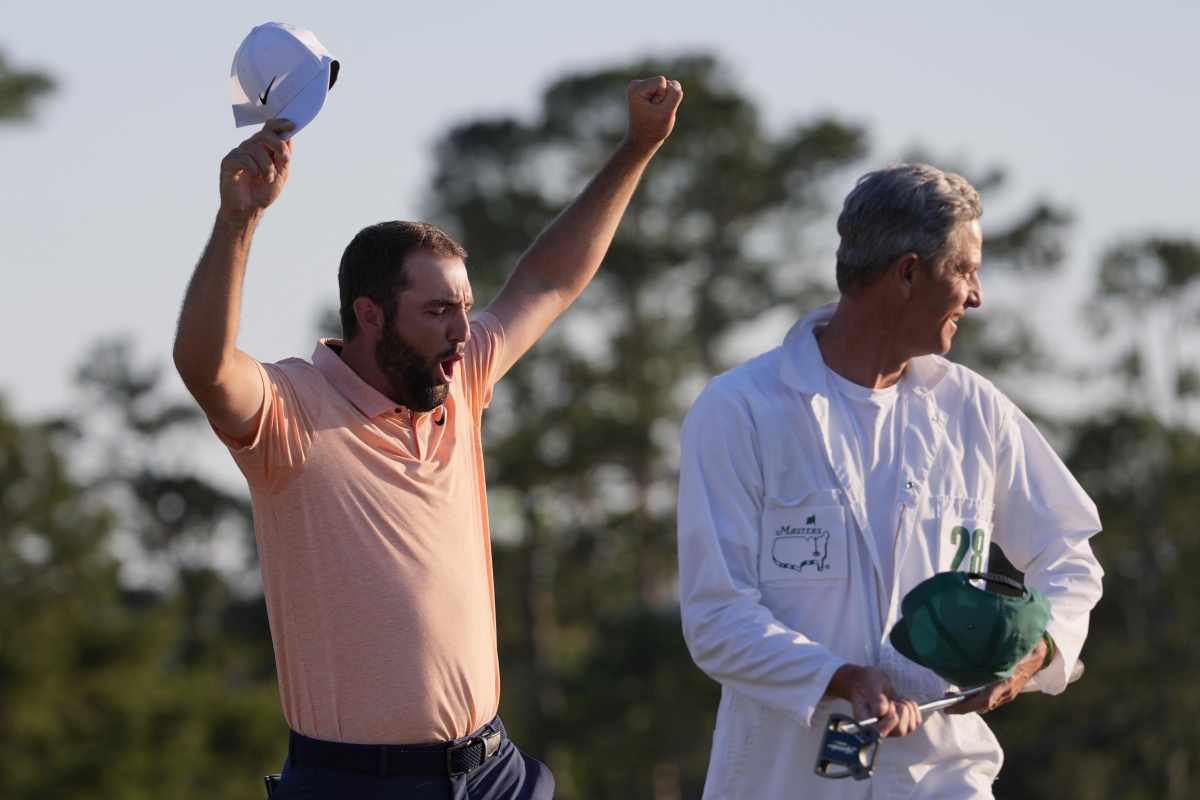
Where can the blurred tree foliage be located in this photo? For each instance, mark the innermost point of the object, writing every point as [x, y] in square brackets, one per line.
[108, 691]
[164, 686]
[1147, 306]
[19, 89]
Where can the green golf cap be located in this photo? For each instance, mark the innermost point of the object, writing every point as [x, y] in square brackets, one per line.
[967, 635]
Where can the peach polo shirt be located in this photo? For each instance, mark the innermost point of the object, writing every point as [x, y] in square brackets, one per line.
[372, 533]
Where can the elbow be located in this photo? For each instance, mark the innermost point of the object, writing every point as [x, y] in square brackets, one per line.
[200, 372]
[702, 634]
[184, 364]
[190, 368]
[179, 356]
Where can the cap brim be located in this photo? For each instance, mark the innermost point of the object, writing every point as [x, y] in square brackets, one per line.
[305, 106]
[246, 114]
[901, 641]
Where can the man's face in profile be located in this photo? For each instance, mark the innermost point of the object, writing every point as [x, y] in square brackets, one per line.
[424, 338]
[941, 295]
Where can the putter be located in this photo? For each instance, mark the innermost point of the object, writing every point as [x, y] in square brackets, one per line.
[848, 747]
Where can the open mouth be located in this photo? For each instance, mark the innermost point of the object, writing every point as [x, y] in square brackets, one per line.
[447, 367]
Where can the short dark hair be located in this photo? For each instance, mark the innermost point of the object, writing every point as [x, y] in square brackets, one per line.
[373, 264]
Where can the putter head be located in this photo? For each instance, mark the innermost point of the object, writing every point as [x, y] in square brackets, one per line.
[847, 750]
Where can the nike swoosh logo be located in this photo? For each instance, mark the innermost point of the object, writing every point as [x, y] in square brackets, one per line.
[267, 91]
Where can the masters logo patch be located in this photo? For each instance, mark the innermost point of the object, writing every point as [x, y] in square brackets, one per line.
[803, 542]
[800, 548]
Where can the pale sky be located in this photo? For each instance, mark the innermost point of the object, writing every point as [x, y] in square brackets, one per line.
[107, 199]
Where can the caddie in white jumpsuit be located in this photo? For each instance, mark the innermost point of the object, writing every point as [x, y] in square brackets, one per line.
[824, 479]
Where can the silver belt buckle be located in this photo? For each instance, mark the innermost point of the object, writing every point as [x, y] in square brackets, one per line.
[491, 743]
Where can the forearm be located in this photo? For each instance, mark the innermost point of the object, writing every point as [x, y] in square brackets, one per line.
[208, 324]
[740, 643]
[1072, 588]
[566, 255]
[1043, 522]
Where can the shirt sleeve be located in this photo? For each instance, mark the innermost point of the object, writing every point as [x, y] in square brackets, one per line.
[1043, 522]
[485, 359]
[731, 635]
[283, 433]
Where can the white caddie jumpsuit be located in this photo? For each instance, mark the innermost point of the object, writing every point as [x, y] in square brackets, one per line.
[780, 580]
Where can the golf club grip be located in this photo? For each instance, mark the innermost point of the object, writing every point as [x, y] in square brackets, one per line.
[932, 705]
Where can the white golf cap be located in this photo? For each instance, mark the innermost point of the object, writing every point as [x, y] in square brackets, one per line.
[280, 71]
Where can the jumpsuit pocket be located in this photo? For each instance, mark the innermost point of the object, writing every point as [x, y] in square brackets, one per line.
[803, 540]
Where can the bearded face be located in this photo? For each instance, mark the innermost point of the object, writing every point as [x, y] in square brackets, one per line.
[424, 331]
[417, 381]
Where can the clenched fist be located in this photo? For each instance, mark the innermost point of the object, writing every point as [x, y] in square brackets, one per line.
[254, 173]
[652, 105]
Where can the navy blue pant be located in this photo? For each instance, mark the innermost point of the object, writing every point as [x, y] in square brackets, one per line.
[508, 775]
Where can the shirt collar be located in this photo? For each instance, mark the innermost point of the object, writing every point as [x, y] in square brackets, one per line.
[804, 369]
[366, 398]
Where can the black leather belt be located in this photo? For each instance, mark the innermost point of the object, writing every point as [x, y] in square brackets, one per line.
[451, 758]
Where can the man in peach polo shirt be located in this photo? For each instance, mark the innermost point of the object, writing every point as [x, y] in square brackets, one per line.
[365, 470]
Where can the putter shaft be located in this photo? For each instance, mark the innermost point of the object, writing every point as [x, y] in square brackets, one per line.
[932, 705]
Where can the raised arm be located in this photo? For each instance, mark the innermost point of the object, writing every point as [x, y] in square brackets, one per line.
[565, 256]
[223, 379]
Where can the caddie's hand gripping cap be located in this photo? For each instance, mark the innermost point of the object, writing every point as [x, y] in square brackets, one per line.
[967, 635]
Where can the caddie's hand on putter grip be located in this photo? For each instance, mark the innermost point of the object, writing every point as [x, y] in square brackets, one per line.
[254, 173]
[869, 691]
[652, 105]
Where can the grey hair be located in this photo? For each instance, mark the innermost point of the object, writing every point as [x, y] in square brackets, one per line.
[905, 208]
